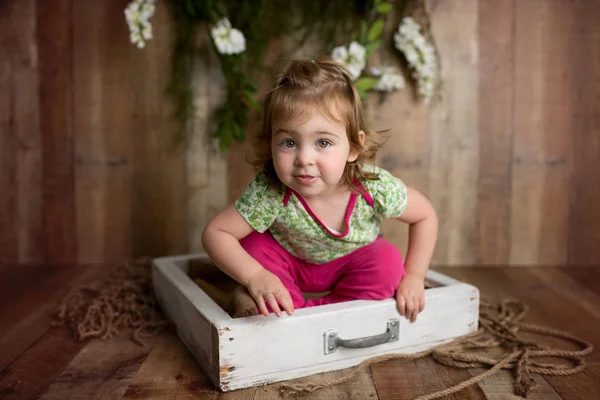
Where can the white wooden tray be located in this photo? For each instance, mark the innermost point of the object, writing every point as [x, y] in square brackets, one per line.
[244, 352]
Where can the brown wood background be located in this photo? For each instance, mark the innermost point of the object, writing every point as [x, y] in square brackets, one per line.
[509, 158]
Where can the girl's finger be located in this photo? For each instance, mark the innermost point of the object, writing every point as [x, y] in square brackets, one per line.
[410, 307]
[273, 303]
[401, 305]
[421, 304]
[260, 302]
[286, 302]
[415, 310]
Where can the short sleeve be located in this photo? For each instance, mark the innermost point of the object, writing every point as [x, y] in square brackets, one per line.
[260, 204]
[389, 194]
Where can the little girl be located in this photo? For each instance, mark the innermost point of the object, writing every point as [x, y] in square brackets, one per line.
[309, 221]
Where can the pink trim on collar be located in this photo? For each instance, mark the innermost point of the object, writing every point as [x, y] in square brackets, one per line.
[349, 210]
[286, 197]
[364, 192]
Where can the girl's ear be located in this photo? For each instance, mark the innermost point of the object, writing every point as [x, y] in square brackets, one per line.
[353, 152]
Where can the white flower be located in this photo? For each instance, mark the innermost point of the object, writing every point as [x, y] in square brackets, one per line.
[353, 58]
[137, 14]
[340, 54]
[389, 81]
[357, 52]
[420, 55]
[227, 39]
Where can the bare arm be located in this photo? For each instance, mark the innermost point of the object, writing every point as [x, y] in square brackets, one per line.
[221, 240]
[422, 236]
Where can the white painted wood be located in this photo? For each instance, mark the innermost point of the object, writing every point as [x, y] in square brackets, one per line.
[244, 352]
[175, 270]
[441, 279]
[192, 311]
[290, 347]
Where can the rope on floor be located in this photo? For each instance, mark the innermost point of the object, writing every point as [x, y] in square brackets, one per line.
[125, 304]
[499, 327]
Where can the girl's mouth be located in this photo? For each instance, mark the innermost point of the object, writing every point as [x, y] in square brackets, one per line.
[305, 179]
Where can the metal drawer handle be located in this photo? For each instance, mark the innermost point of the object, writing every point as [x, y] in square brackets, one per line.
[333, 341]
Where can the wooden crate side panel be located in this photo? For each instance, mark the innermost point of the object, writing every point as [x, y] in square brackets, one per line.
[175, 270]
[262, 349]
[192, 327]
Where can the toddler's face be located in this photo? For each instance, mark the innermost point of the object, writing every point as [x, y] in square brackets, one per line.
[310, 153]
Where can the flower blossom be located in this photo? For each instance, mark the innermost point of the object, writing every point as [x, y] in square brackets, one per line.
[227, 39]
[389, 80]
[353, 58]
[137, 14]
[420, 55]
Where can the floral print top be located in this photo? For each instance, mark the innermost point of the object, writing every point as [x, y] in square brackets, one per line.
[298, 230]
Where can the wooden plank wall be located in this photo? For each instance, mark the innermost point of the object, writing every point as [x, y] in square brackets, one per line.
[509, 157]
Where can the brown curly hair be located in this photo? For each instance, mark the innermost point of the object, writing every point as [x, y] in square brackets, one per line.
[325, 84]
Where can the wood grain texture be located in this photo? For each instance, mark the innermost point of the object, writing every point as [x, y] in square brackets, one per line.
[207, 167]
[18, 32]
[55, 367]
[103, 127]
[31, 230]
[496, 39]
[159, 196]
[587, 277]
[546, 304]
[170, 372]
[454, 133]
[21, 224]
[403, 126]
[27, 310]
[501, 387]
[102, 369]
[584, 222]
[543, 119]
[30, 374]
[54, 40]
[409, 379]
[508, 158]
[8, 238]
[548, 307]
[405, 153]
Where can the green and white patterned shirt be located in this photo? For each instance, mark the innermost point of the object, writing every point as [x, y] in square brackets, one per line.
[292, 223]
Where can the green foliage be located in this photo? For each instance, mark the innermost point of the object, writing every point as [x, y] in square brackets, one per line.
[261, 21]
[364, 84]
[370, 37]
[375, 30]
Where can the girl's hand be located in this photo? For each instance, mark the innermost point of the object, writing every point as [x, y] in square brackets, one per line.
[266, 288]
[410, 296]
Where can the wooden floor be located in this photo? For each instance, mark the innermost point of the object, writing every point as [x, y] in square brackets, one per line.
[37, 361]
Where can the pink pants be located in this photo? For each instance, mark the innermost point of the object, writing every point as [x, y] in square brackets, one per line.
[372, 272]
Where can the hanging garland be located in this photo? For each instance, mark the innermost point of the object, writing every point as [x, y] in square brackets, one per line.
[240, 47]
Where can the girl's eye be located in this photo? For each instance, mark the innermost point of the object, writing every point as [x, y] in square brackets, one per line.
[323, 143]
[288, 143]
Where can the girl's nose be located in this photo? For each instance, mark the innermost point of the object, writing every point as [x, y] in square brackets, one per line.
[304, 156]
